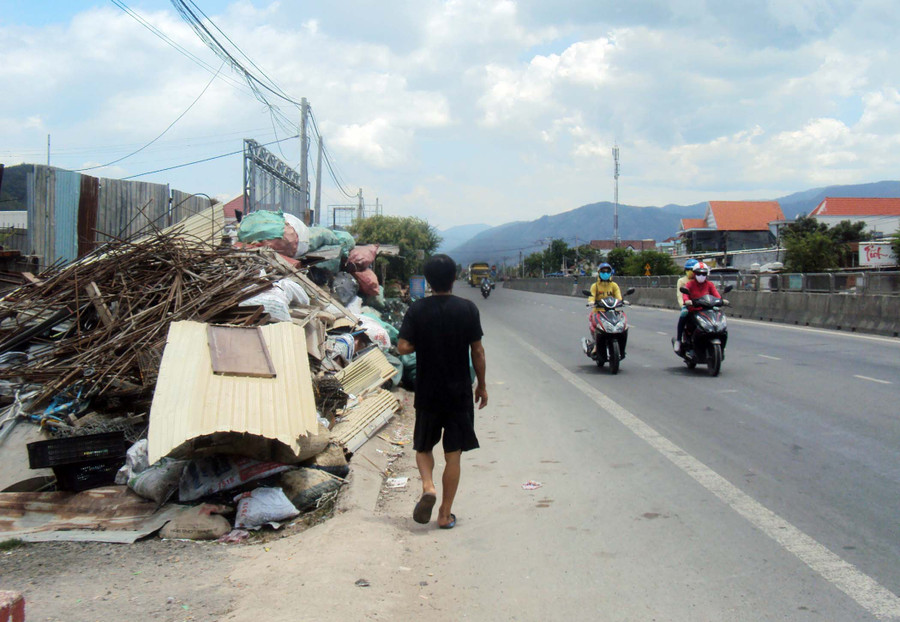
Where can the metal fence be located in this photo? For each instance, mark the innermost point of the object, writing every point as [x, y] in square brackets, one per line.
[271, 184]
[871, 283]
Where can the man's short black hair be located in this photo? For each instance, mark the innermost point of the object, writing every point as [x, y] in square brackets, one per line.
[440, 272]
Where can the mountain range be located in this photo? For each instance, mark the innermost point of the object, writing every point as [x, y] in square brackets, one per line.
[504, 243]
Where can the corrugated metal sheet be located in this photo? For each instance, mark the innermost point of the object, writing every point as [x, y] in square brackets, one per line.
[369, 371]
[191, 402]
[207, 226]
[127, 208]
[185, 205]
[363, 421]
[87, 214]
[65, 211]
[108, 514]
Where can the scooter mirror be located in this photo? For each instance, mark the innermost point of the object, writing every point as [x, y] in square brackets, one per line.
[629, 291]
[728, 288]
[684, 290]
[586, 292]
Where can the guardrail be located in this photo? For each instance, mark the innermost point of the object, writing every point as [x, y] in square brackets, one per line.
[863, 283]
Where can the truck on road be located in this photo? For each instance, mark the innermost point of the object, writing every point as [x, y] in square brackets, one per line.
[478, 271]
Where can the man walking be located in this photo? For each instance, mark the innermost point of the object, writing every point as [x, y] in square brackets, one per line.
[442, 329]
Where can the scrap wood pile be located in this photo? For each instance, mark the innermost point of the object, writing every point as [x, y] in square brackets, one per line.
[91, 344]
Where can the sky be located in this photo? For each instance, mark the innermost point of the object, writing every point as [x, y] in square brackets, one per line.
[468, 111]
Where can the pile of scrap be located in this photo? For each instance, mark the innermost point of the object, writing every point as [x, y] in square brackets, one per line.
[189, 370]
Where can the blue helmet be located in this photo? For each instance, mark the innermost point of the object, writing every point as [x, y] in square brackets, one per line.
[690, 263]
[605, 270]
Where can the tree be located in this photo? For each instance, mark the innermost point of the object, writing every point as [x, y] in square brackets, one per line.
[895, 244]
[618, 257]
[802, 226]
[409, 233]
[660, 263]
[845, 233]
[811, 252]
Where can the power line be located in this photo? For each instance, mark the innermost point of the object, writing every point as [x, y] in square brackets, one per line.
[224, 155]
[171, 125]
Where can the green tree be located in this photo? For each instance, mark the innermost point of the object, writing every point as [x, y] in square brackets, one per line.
[895, 244]
[802, 226]
[618, 257]
[812, 252]
[409, 233]
[844, 234]
[660, 263]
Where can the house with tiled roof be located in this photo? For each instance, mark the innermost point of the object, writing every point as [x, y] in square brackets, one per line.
[732, 226]
[880, 215]
[635, 245]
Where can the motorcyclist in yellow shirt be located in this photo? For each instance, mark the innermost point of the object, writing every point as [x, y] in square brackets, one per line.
[603, 287]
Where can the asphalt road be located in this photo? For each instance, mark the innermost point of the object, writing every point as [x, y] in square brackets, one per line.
[767, 493]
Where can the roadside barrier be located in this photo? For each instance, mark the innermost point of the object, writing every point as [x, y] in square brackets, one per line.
[852, 312]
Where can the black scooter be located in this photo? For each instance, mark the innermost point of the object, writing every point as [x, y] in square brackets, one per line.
[706, 333]
[486, 286]
[611, 331]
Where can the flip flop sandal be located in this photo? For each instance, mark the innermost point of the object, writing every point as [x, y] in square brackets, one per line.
[451, 524]
[422, 513]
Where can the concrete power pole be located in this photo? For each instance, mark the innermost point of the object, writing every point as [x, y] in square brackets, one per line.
[615, 152]
[304, 156]
[361, 210]
[318, 213]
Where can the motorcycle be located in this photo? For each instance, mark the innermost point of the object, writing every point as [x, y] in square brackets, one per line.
[486, 287]
[610, 333]
[706, 333]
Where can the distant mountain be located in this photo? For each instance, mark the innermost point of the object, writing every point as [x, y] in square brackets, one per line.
[503, 244]
[456, 236]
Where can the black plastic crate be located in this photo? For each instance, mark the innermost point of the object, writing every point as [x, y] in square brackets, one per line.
[86, 475]
[74, 449]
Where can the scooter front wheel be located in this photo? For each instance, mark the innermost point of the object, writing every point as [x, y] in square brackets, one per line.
[614, 357]
[714, 359]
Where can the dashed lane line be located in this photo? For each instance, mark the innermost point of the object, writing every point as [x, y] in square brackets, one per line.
[866, 591]
[872, 379]
[766, 356]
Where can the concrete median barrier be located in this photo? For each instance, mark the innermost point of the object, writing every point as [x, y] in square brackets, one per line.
[848, 312]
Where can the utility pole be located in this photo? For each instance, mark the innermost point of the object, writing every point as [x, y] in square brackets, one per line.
[615, 152]
[317, 214]
[361, 210]
[521, 266]
[48, 149]
[304, 156]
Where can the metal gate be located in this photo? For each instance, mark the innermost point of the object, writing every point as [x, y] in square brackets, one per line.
[271, 184]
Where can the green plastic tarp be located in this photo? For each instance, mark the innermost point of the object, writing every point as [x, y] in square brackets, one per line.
[261, 225]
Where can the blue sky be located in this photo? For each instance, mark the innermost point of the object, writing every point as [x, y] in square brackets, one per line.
[464, 111]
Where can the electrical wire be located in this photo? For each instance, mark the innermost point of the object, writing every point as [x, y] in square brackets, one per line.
[171, 125]
[224, 155]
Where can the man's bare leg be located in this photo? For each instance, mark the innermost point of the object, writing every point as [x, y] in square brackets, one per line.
[425, 462]
[450, 482]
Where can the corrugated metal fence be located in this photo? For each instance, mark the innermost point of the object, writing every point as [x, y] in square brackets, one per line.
[69, 214]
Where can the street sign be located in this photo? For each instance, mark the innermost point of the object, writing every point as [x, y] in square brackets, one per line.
[647, 270]
[876, 254]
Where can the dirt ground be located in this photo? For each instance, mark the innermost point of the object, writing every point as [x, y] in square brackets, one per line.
[177, 581]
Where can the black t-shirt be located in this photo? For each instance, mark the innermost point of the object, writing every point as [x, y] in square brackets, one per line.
[441, 328]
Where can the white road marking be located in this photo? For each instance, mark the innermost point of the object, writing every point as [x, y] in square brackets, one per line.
[766, 356]
[872, 379]
[866, 591]
[659, 332]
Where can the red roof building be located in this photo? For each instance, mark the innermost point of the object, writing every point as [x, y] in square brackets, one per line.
[635, 245]
[880, 215]
[731, 226]
[234, 205]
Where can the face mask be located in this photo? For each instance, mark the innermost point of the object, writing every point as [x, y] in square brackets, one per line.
[605, 276]
[700, 278]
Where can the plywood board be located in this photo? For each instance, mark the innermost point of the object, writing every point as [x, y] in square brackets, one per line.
[236, 351]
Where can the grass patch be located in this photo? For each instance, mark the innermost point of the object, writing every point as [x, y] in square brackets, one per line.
[9, 545]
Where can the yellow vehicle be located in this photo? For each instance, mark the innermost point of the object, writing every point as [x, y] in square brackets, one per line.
[478, 271]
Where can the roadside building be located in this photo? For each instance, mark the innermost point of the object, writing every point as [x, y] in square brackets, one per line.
[731, 226]
[882, 216]
[634, 245]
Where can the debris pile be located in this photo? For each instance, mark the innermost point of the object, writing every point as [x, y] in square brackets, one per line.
[182, 367]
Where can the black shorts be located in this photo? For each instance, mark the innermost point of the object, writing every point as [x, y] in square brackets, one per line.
[457, 431]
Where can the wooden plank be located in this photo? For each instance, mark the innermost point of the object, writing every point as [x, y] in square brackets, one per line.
[239, 352]
[93, 293]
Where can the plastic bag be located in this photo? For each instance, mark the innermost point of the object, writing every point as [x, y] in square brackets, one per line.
[368, 282]
[344, 287]
[345, 239]
[361, 257]
[295, 294]
[205, 476]
[158, 481]
[321, 236]
[275, 302]
[304, 487]
[262, 506]
[201, 522]
[375, 331]
[136, 460]
[302, 234]
[261, 225]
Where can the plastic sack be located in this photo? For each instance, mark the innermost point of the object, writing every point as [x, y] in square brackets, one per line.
[392, 332]
[261, 225]
[355, 306]
[304, 487]
[375, 331]
[159, 481]
[136, 460]
[361, 257]
[205, 476]
[302, 235]
[275, 302]
[321, 236]
[344, 287]
[345, 239]
[368, 282]
[340, 346]
[409, 369]
[201, 522]
[293, 291]
[395, 380]
[261, 507]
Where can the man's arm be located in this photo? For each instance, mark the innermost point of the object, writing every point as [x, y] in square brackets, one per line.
[478, 362]
[405, 347]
